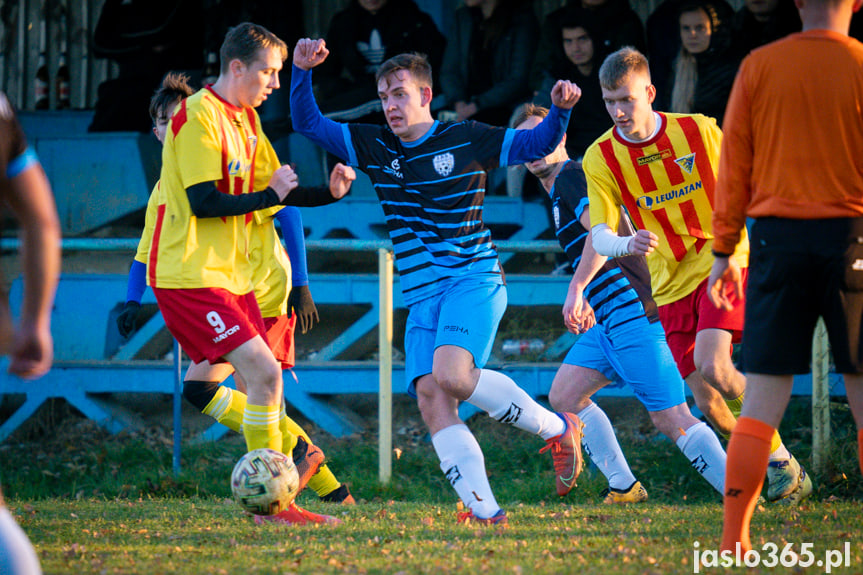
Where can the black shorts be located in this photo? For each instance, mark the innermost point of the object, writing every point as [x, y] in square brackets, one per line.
[799, 270]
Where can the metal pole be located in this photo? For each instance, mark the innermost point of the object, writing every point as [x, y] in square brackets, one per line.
[178, 378]
[131, 244]
[385, 359]
[820, 398]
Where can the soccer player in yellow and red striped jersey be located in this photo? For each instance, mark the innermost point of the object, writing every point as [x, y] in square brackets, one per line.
[661, 168]
[218, 168]
[279, 304]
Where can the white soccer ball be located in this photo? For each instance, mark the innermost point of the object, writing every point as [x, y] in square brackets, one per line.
[264, 481]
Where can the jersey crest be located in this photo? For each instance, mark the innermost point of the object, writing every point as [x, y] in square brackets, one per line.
[444, 163]
[686, 162]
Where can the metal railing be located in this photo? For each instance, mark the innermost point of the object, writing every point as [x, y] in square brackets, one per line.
[820, 362]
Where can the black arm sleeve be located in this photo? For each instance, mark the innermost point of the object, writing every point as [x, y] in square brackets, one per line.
[309, 197]
[208, 202]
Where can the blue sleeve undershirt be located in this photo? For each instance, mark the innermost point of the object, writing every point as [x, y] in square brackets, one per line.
[308, 120]
[520, 146]
[137, 281]
[291, 222]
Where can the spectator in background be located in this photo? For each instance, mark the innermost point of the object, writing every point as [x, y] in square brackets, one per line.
[584, 52]
[362, 36]
[706, 64]
[611, 20]
[663, 42]
[760, 22]
[487, 61]
[146, 39]
[284, 18]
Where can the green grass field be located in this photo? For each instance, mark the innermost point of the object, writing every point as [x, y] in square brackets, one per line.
[96, 503]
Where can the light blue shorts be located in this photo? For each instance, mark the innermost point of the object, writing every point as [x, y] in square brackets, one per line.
[466, 314]
[636, 354]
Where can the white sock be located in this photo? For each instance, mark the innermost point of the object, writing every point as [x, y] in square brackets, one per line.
[600, 444]
[462, 462]
[502, 398]
[16, 552]
[780, 454]
[702, 448]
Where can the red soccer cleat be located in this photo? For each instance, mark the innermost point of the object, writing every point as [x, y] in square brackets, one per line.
[296, 515]
[308, 458]
[566, 453]
[467, 517]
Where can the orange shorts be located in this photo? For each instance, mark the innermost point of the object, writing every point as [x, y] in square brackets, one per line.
[684, 318]
[210, 322]
[280, 336]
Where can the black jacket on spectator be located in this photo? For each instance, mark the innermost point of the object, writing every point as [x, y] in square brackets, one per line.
[360, 41]
[589, 118]
[147, 39]
[749, 33]
[494, 77]
[663, 43]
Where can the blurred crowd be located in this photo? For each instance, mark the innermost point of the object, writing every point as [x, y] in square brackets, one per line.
[496, 55]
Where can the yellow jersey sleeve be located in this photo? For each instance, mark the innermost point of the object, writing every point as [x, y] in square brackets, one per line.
[146, 240]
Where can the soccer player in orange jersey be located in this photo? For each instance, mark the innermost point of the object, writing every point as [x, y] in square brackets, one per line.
[661, 168]
[796, 172]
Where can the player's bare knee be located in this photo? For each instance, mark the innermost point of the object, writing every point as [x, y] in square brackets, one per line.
[720, 373]
[674, 421]
[426, 405]
[665, 424]
[709, 370]
[455, 382]
[562, 398]
[557, 398]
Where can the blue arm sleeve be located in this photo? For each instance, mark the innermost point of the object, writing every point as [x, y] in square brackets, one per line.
[522, 146]
[21, 163]
[308, 120]
[137, 282]
[291, 222]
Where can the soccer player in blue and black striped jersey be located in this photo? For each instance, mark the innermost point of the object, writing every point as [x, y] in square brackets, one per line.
[609, 303]
[430, 178]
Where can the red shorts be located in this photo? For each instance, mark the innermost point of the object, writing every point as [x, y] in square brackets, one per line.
[210, 322]
[683, 319]
[280, 336]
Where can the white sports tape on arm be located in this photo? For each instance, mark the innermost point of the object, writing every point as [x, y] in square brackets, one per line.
[608, 243]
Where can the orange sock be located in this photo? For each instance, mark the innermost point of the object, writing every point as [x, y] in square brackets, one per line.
[860, 448]
[745, 467]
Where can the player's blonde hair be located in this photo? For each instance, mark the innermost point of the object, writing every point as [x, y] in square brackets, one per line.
[244, 41]
[619, 66]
